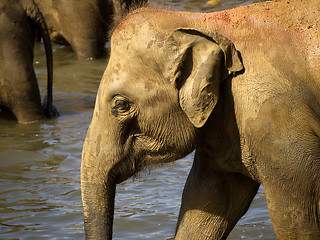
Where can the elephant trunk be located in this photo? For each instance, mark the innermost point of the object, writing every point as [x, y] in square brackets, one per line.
[98, 206]
[34, 13]
[98, 182]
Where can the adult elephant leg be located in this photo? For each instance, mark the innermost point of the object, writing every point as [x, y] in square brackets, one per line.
[294, 212]
[19, 91]
[26, 100]
[213, 202]
[87, 34]
[290, 177]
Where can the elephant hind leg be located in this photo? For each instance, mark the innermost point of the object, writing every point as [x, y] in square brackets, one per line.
[6, 113]
[295, 213]
[212, 203]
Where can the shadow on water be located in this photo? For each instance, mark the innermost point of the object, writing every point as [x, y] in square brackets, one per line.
[40, 164]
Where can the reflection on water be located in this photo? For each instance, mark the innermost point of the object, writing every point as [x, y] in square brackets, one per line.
[40, 165]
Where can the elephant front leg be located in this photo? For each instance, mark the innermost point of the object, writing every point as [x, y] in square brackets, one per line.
[213, 202]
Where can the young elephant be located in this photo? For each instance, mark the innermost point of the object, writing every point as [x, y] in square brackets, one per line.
[84, 24]
[175, 82]
[19, 91]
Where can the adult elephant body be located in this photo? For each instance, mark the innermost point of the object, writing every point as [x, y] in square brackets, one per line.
[19, 91]
[84, 24]
[241, 86]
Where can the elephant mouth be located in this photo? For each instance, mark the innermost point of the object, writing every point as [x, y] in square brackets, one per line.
[139, 151]
[125, 170]
[129, 163]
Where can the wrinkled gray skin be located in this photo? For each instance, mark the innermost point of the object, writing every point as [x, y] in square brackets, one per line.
[174, 83]
[19, 91]
[84, 24]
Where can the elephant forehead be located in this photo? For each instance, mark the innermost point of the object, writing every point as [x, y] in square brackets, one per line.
[134, 70]
[129, 85]
[139, 33]
[152, 20]
[141, 68]
[144, 50]
[136, 86]
[143, 37]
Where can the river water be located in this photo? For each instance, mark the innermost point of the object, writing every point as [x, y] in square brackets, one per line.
[40, 164]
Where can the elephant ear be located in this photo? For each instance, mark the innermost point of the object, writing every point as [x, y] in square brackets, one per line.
[202, 62]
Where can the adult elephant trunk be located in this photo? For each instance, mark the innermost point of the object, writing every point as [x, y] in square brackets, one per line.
[34, 13]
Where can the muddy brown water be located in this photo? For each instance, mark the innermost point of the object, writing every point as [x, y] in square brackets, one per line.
[40, 165]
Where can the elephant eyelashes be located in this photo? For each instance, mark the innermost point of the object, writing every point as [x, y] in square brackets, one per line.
[120, 106]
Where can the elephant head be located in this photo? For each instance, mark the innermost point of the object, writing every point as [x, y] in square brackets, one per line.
[19, 90]
[159, 88]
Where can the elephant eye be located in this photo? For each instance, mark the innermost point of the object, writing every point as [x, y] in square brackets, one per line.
[120, 105]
